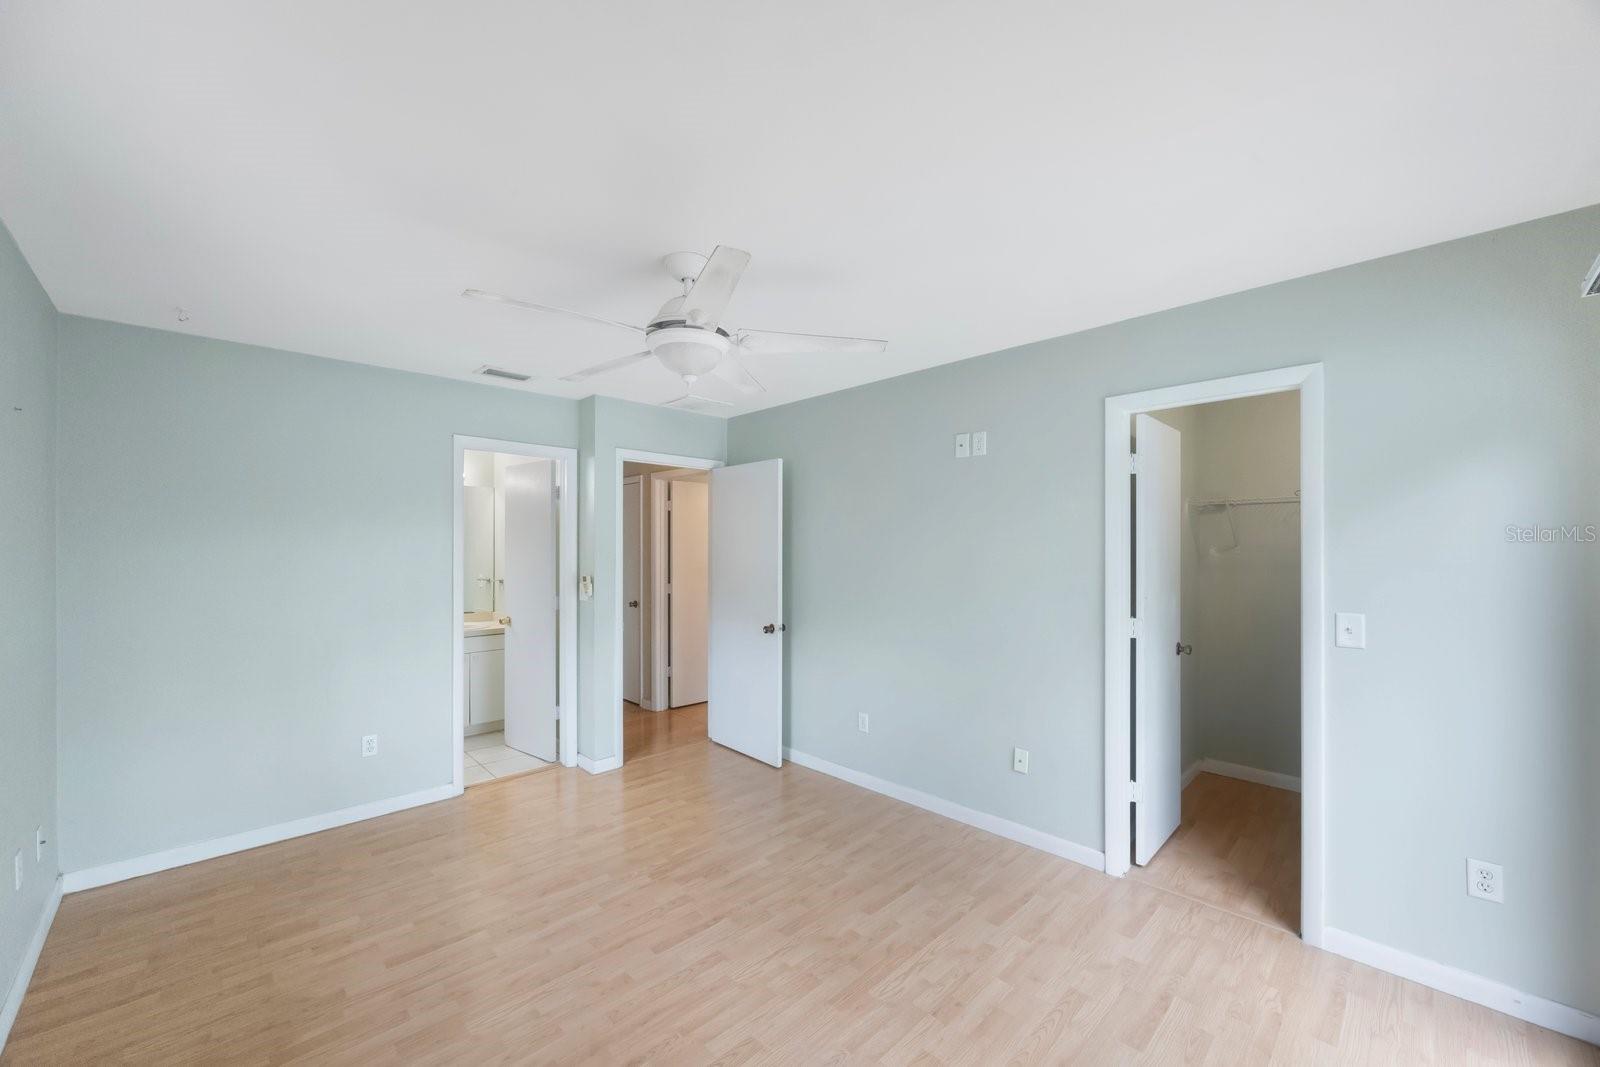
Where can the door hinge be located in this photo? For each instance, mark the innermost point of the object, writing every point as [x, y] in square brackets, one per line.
[669, 672]
[1133, 627]
[1133, 792]
[1133, 462]
[555, 491]
[669, 503]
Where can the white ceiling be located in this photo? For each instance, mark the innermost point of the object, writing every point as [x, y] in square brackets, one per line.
[956, 177]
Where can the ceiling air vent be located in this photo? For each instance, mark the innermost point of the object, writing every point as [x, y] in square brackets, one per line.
[501, 372]
[1591, 284]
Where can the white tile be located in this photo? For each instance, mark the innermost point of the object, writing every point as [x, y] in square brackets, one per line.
[477, 741]
[468, 760]
[515, 765]
[495, 754]
[476, 774]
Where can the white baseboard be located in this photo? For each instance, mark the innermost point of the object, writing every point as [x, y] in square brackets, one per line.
[1464, 984]
[182, 856]
[599, 766]
[1243, 773]
[1192, 771]
[1015, 831]
[30, 959]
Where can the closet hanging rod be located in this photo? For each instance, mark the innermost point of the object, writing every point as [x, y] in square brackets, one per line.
[1245, 502]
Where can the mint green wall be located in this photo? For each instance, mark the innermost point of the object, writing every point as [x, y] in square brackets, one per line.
[27, 600]
[960, 602]
[605, 426]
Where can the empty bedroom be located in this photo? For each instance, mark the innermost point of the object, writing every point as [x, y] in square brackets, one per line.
[799, 533]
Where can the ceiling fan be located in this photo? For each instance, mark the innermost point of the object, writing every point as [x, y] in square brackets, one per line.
[688, 335]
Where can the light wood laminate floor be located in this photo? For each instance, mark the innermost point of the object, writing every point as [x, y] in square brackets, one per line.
[1237, 848]
[697, 907]
[644, 733]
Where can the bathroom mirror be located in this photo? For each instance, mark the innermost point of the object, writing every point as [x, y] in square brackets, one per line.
[477, 523]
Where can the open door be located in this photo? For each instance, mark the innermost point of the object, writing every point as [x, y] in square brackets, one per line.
[1157, 708]
[747, 628]
[688, 598]
[530, 577]
[632, 588]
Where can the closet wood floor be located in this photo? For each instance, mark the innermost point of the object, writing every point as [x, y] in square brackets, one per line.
[1237, 848]
[696, 907]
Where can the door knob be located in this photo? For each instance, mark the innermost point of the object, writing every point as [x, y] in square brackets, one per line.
[769, 628]
[1185, 650]
[633, 603]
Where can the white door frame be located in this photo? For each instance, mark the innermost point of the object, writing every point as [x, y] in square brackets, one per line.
[566, 461]
[663, 459]
[1120, 410]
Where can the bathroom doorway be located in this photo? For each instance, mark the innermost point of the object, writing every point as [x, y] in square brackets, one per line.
[514, 625]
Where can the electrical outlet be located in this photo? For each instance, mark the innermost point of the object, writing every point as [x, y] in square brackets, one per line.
[38, 844]
[861, 722]
[16, 864]
[369, 745]
[980, 442]
[1486, 881]
[1019, 760]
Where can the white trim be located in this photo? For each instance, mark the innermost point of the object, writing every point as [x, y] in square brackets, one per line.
[1192, 771]
[1275, 779]
[566, 461]
[30, 959]
[1307, 379]
[183, 855]
[599, 766]
[624, 456]
[1550, 1014]
[994, 824]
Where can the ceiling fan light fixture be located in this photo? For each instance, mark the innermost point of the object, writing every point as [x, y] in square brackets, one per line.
[688, 352]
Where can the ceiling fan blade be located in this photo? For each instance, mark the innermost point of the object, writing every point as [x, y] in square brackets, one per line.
[735, 373]
[766, 342]
[708, 298]
[606, 367]
[527, 305]
[690, 401]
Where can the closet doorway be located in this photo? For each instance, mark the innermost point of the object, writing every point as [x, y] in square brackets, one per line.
[1214, 644]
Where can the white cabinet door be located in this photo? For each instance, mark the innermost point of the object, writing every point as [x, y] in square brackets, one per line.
[486, 687]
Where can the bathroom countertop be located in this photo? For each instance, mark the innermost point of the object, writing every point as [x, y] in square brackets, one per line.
[483, 624]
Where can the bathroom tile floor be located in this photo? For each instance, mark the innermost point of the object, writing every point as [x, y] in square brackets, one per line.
[488, 758]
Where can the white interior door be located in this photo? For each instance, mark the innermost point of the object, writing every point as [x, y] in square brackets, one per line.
[1157, 704]
[632, 588]
[747, 627]
[530, 686]
[688, 591]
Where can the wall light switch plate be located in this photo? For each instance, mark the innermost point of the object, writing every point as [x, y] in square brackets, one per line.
[369, 745]
[980, 442]
[16, 870]
[1349, 630]
[1019, 760]
[861, 722]
[38, 844]
[963, 445]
